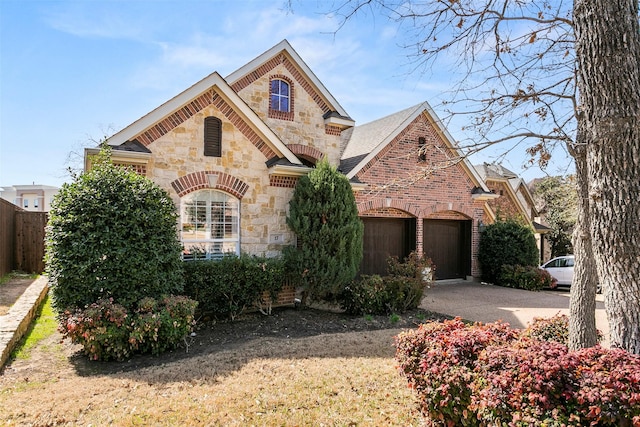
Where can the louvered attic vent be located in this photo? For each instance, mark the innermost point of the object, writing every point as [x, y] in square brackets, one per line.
[212, 137]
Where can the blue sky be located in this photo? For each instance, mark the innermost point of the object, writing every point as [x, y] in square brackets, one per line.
[73, 72]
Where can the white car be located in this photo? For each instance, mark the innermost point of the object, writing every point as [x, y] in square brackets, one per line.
[561, 269]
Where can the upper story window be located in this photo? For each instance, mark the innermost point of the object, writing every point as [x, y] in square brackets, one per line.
[26, 203]
[281, 100]
[280, 95]
[210, 224]
[212, 137]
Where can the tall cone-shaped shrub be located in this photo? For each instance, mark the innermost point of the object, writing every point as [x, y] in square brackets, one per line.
[324, 216]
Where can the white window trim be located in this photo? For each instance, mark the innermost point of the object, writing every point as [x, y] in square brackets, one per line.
[209, 242]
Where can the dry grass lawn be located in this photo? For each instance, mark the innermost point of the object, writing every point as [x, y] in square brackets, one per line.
[265, 372]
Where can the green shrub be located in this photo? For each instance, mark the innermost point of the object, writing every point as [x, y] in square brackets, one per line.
[324, 216]
[225, 288]
[382, 295]
[108, 331]
[525, 277]
[506, 243]
[414, 265]
[111, 234]
[401, 290]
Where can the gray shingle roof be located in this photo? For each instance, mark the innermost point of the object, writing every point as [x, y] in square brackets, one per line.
[367, 137]
[495, 171]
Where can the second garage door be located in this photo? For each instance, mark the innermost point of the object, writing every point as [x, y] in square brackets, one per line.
[448, 244]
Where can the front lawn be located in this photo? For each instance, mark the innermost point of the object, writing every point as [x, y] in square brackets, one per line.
[294, 368]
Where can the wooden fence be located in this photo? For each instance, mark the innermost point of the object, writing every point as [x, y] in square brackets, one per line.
[21, 239]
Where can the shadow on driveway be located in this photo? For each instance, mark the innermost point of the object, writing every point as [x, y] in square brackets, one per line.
[488, 303]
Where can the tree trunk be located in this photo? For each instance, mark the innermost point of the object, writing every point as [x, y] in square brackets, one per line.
[608, 57]
[582, 307]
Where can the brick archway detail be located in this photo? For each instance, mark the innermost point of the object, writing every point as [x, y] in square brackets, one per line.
[209, 179]
[458, 208]
[306, 151]
[382, 203]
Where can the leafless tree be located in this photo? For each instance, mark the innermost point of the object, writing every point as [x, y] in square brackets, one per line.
[551, 75]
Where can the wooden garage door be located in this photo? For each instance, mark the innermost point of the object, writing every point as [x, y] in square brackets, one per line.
[384, 237]
[448, 244]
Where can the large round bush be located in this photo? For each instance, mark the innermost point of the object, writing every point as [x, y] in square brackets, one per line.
[112, 234]
[506, 243]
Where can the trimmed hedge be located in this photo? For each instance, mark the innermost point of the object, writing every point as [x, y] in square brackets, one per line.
[491, 375]
[530, 278]
[112, 234]
[227, 287]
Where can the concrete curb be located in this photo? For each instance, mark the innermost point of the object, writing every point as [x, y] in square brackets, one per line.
[15, 323]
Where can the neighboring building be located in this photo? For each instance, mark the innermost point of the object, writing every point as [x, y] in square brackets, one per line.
[516, 201]
[33, 198]
[230, 150]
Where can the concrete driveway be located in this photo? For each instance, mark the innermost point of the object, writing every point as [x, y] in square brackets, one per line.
[488, 303]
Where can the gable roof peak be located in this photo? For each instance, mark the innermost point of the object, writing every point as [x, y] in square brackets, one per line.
[284, 47]
[369, 139]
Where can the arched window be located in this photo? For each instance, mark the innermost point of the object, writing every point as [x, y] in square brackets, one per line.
[210, 224]
[280, 96]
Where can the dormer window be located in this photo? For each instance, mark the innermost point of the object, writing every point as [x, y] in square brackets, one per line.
[281, 98]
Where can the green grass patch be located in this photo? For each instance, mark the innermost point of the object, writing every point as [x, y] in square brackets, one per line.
[16, 275]
[43, 326]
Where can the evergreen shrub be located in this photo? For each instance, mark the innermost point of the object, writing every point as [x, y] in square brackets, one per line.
[530, 278]
[401, 290]
[506, 242]
[225, 288]
[324, 216]
[112, 234]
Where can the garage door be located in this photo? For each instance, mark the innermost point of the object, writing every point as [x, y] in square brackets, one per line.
[448, 244]
[384, 237]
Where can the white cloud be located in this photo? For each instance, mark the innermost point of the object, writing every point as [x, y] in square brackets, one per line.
[87, 20]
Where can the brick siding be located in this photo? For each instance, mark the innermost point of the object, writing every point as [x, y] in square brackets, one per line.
[402, 186]
[504, 206]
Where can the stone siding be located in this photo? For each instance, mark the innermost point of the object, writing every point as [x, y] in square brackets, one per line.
[307, 126]
[178, 165]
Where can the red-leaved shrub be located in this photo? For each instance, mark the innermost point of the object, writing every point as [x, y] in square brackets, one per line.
[438, 360]
[525, 383]
[491, 375]
[608, 391]
[108, 331]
